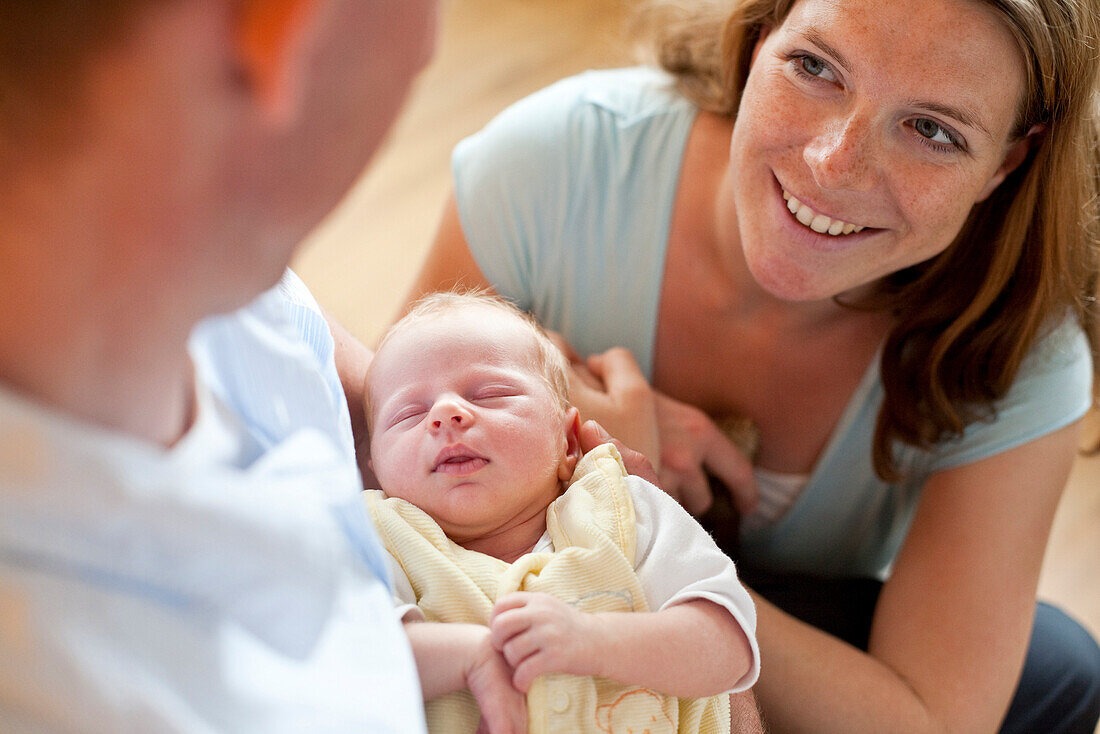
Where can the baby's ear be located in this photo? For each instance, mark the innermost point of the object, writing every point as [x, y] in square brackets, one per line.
[572, 453]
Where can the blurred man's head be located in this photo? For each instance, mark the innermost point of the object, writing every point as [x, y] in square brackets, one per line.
[216, 133]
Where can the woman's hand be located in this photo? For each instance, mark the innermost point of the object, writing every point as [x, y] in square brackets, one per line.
[592, 434]
[610, 389]
[686, 444]
[692, 447]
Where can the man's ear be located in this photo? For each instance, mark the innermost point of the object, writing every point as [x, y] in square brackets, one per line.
[271, 43]
[1017, 154]
[572, 445]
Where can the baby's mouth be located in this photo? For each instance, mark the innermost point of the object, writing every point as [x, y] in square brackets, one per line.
[819, 223]
[458, 460]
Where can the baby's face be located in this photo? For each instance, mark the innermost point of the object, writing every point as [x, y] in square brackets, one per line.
[465, 427]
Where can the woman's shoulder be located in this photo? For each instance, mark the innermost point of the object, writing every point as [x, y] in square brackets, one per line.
[592, 103]
[1063, 345]
[1053, 388]
[630, 93]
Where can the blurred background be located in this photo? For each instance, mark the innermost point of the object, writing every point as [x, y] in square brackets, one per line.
[490, 53]
[361, 261]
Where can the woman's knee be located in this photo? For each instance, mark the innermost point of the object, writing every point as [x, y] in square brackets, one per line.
[1059, 689]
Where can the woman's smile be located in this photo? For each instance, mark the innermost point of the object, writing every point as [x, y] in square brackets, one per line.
[809, 224]
[820, 223]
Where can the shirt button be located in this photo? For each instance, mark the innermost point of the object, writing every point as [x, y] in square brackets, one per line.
[559, 702]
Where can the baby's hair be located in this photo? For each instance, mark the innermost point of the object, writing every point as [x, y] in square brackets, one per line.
[549, 361]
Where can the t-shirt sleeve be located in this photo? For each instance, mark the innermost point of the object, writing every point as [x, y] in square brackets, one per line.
[677, 561]
[1052, 390]
[512, 185]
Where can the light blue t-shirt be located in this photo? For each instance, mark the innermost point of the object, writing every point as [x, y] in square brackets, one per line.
[566, 201]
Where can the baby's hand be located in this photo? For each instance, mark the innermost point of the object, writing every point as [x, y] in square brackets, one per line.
[538, 633]
[489, 678]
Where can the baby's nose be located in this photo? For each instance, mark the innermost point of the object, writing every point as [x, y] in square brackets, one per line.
[456, 420]
[451, 413]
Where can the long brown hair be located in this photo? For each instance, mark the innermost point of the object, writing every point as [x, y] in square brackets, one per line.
[1028, 255]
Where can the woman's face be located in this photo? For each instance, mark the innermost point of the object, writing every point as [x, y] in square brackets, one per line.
[867, 131]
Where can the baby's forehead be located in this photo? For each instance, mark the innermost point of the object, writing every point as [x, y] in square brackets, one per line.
[466, 336]
[472, 327]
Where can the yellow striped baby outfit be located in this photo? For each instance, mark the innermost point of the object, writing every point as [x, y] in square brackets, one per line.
[592, 568]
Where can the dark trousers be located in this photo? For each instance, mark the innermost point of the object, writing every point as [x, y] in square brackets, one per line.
[1058, 693]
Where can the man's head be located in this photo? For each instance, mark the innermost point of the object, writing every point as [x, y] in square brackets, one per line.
[467, 403]
[215, 133]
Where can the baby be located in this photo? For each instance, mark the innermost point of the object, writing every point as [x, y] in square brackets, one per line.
[559, 577]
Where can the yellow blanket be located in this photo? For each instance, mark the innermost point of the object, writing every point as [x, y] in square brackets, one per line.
[592, 568]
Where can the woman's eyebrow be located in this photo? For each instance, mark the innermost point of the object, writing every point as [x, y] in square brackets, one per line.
[814, 36]
[961, 114]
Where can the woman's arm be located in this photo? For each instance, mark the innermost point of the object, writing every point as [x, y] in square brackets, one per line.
[690, 650]
[449, 262]
[953, 622]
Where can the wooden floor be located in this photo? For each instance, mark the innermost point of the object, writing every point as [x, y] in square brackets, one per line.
[492, 52]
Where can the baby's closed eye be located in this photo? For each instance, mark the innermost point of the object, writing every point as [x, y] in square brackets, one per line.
[494, 392]
[408, 415]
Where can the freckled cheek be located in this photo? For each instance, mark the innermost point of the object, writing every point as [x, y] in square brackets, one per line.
[771, 116]
[937, 208]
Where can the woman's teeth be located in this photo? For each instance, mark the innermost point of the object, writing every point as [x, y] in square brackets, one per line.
[818, 222]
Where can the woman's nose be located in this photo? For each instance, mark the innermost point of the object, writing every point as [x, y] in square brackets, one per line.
[841, 156]
[450, 412]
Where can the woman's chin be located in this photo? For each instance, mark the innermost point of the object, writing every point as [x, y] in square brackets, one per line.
[788, 281]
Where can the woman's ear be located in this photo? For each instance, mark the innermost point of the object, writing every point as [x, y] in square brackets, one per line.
[572, 445]
[271, 45]
[1017, 154]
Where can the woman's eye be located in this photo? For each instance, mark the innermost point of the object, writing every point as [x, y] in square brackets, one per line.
[810, 65]
[934, 132]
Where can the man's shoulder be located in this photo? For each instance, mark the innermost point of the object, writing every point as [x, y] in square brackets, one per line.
[272, 362]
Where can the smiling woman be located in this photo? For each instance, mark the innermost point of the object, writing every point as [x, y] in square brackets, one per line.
[841, 220]
[1039, 230]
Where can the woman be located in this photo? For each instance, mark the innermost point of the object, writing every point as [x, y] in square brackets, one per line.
[869, 228]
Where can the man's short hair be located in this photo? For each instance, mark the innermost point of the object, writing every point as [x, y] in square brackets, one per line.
[44, 49]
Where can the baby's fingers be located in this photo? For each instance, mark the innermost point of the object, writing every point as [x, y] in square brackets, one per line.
[504, 716]
[505, 626]
[514, 600]
[734, 470]
[530, 668]
[520, 647]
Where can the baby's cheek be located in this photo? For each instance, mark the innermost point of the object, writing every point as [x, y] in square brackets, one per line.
[385, 463]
